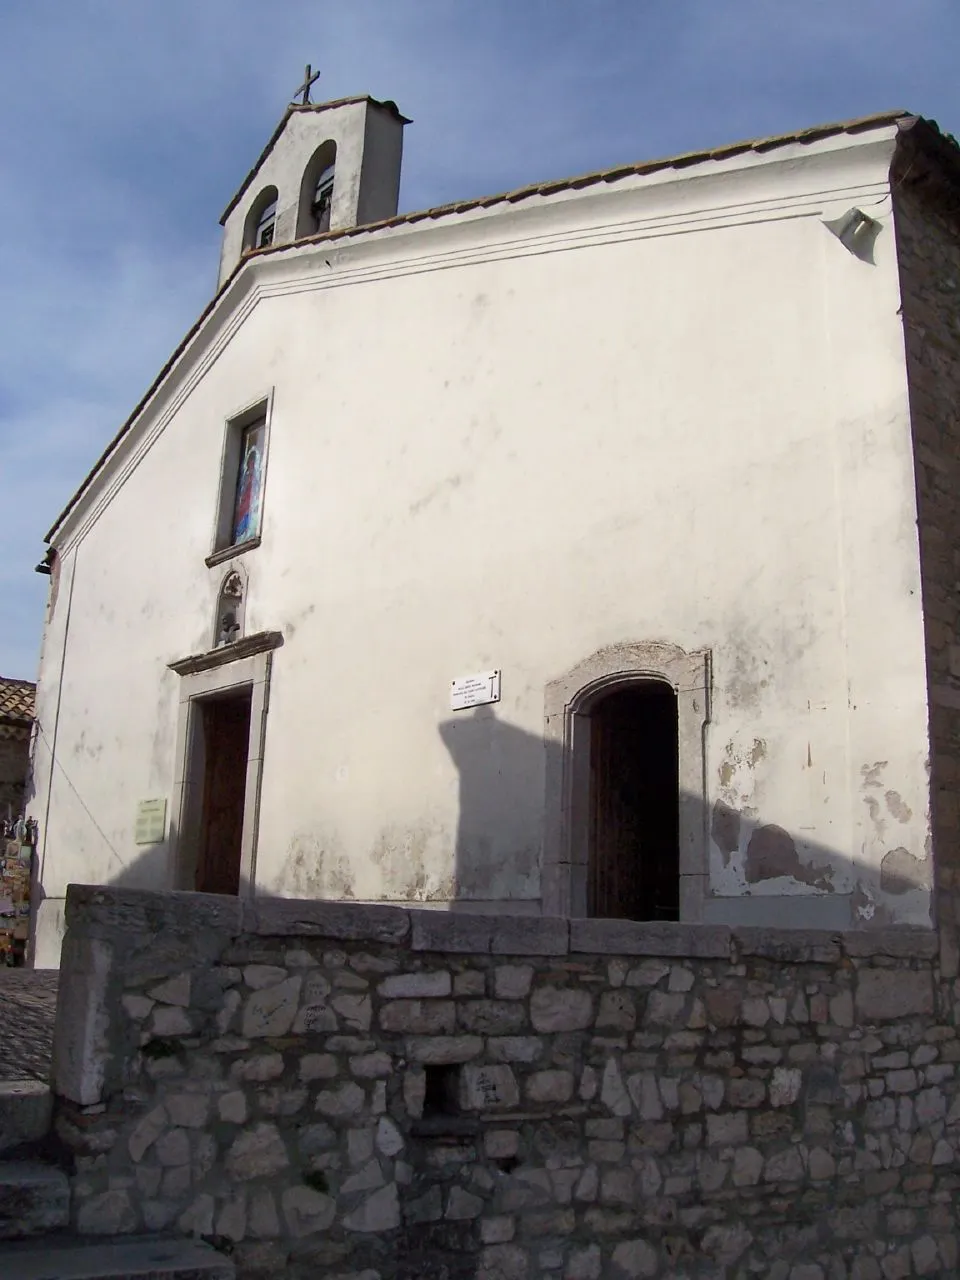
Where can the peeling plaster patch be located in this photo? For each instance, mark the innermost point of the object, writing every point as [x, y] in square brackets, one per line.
[742, 763]
[900, 872]
[873, 808]
[871, 773]
[772, 853]
[865, 908]
[735, 759]
[902, 812]
[725, 829]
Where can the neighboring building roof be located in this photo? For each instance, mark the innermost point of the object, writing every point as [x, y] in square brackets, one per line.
[942, 147]
[292, 110]
[17, 706]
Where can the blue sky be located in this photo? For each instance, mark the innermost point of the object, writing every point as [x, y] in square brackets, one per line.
[128, 124]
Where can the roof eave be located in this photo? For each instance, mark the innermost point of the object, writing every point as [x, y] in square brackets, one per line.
[645, 168]
[144, 400]
[908, 124]
[925, 154]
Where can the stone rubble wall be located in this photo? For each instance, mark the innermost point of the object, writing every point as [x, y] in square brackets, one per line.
[927, 225]
[373, 1093]
[14, 768]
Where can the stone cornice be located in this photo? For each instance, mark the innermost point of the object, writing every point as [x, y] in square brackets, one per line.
[261, 642]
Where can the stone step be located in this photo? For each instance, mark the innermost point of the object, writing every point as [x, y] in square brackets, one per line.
[34, 1198]
[26, 1110]
[103, 1259]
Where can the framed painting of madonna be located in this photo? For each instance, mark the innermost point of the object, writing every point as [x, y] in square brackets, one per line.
[243, 468]
[246, 506]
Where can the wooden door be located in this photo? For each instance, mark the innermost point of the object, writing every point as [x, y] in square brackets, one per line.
[616, 859]
[633, 870]
[226, 736]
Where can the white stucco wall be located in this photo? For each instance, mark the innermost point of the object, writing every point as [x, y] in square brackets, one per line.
[672, 411]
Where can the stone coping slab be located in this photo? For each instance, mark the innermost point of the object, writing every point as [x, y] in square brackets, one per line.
[26, 1109]
[128, 1259]
[104, 910]
[34, 1198]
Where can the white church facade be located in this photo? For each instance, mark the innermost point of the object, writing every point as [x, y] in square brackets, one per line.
[589, 549]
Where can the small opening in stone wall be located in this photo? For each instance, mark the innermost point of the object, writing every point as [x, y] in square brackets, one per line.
[441, 1091]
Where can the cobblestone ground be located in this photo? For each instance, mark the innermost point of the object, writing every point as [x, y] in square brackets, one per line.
[28, 1001]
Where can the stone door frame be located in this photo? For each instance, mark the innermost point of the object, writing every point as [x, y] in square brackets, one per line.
[245, 664]
[568, 702]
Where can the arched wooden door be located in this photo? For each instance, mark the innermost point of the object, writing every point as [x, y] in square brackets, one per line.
[634, 858]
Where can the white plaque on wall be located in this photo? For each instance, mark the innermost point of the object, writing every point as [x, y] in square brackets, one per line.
[474, 691]
[151, 821]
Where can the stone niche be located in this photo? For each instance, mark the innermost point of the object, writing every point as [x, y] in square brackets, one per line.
[381, 1093]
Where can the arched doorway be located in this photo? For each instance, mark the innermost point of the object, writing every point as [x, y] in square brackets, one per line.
[633, 869]
[638, 712]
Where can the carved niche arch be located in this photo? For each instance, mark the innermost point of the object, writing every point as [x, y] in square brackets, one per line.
[228, 623]
[568, 703]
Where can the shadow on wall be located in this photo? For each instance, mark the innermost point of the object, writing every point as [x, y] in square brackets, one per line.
[761, 873]
[499, 823]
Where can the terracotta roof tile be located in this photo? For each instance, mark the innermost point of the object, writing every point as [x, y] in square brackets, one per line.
[578, 183]
[17, 700]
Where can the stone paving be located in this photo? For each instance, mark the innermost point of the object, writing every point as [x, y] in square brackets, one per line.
[28, 1002]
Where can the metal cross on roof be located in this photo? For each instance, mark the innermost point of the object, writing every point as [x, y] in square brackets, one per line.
[308, 80]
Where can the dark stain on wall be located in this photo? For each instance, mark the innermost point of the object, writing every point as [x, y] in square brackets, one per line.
[440, 490]
[725, 830]
[900, 872]
[316, 867]
[772, 853]
[900, 810]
